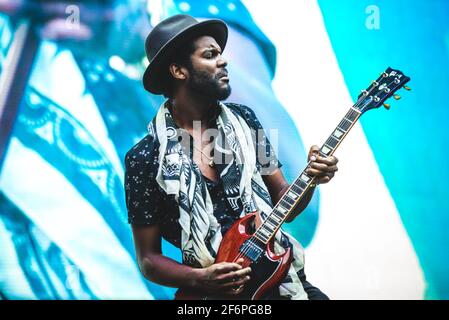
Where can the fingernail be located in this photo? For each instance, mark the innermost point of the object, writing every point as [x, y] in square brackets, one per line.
[313, 158]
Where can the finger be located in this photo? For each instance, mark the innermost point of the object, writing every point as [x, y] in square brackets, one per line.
[319, 166]
[243, 272]
[234, 275]
[234, 292]
[237, 283]
[240, 261]
[323, 167]
[323, 180]
[315, 173]
[327, 160]
[314, 150]
[226, 267]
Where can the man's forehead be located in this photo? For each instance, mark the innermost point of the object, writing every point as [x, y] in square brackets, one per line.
[206, 42]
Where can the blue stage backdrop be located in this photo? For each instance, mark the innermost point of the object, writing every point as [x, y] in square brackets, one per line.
[377, 231]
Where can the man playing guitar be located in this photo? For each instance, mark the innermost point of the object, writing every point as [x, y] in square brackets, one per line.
[186, 194]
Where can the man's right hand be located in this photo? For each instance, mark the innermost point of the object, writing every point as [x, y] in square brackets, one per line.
[224, 277]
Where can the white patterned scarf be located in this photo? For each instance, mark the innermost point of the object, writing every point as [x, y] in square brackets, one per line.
[178, 175]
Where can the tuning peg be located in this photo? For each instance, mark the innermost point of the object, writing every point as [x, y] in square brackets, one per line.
[407, 88]
[387, 106]
[397, 97]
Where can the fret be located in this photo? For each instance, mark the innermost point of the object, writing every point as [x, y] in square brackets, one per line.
[339, 128]
[301, 185]
[287, 206]
[332, 142]
[325, 150]
[258, 236]
[292, 195]
[344, 124]
[338, 133]
[270, 225]
[275, 217]
[264, 232]
[296, 188]
[356, 111]
[262, 235]
[351, 115]
[328, 146]
[284, 205]
[266, 229]
[273, 221]
[279, 215]
[281, 209]
[289, 201]
[304, 177]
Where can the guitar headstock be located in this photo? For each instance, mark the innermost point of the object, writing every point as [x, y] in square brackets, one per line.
[381, 89]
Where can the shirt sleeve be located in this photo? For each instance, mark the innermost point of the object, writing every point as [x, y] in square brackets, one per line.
[266, 159]
[143, 195]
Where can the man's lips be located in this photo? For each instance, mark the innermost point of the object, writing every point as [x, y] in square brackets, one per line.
[224, 77]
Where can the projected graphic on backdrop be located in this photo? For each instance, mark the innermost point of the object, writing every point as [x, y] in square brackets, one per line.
[63, 228]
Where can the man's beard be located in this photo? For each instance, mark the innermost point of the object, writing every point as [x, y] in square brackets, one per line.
[207, 85]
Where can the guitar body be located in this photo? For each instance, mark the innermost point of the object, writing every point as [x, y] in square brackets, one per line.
[266, 272]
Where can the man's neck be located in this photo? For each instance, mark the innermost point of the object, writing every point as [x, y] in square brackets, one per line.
[190, 108]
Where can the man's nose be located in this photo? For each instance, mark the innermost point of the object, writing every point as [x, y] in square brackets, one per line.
[222, 62]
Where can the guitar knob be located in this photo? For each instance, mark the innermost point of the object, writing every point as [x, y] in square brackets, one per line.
[387, 106]
[407, 88]
[397, 97]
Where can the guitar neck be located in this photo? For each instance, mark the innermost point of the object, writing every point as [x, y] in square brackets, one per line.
[301, 185]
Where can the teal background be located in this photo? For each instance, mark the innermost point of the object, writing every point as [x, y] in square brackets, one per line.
[410, 144]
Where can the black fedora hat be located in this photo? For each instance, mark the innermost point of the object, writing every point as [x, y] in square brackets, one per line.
[169, 35]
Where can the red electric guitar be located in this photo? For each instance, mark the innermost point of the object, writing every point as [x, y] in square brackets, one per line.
[256, 248]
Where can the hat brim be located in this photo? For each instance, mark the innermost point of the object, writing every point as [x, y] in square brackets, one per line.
[152, 80]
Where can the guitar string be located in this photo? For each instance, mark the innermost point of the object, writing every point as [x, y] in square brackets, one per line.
[247, 247]
[242, 253]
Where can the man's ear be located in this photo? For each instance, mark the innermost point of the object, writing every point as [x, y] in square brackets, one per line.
[178, 72]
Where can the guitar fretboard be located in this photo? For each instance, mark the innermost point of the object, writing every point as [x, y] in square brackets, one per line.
[299, 187]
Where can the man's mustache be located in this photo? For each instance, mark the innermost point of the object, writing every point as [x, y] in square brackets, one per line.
[222, 74]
